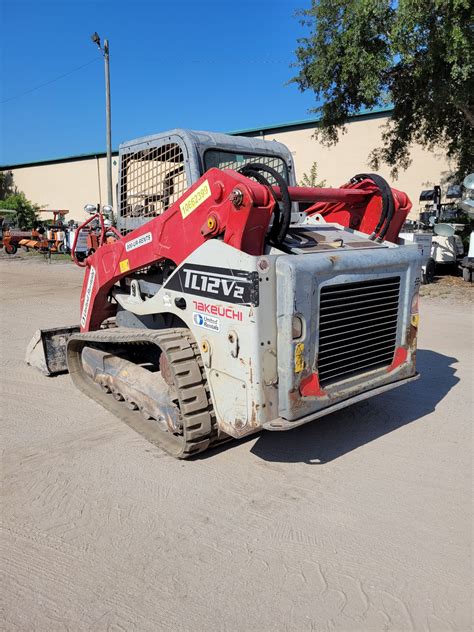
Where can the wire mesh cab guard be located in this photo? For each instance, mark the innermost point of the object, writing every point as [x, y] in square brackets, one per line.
[156, 170]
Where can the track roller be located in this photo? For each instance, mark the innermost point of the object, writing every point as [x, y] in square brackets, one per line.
[152, 380]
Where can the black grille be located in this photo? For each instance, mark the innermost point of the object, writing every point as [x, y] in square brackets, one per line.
[230, 160]
[357, 327]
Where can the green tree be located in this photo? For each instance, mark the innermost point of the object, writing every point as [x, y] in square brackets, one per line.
[415, 55]
[6, 184]
[10, 198]
[311, 179]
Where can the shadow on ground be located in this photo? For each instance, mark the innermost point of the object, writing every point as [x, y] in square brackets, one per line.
[330, 437]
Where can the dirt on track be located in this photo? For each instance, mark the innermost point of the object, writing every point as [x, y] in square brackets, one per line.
[359, 521]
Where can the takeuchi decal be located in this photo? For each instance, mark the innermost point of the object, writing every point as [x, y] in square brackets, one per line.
[218, 310]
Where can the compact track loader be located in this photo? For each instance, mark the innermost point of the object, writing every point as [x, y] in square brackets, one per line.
[227, 300]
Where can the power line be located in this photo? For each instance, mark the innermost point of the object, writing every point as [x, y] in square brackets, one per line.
[47, 83]
[163, 58]
[217, 60]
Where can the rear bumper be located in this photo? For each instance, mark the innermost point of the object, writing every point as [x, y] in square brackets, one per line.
[283, 424]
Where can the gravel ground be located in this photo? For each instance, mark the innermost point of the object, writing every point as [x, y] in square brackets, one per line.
[360, 521]
[449, 288]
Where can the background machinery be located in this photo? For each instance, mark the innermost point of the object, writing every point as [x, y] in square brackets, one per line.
[442, 230]
[10, 236]
[215, 308]
[466, 205]
[51, 237]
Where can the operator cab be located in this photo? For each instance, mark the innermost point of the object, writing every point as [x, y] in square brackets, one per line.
[157, 170]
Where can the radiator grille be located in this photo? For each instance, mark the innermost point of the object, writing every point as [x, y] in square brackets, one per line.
[357, 327]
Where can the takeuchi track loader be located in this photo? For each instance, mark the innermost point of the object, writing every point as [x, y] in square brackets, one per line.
[226, 300]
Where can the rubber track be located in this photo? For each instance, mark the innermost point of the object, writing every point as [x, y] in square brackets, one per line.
[199, 422]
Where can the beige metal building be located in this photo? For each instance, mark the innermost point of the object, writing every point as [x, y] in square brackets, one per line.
[69, 183]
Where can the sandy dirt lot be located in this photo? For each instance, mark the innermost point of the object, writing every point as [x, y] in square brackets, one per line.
[360, 521]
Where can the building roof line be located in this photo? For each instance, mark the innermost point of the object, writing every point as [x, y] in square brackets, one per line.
[312, 121]
[252, 130]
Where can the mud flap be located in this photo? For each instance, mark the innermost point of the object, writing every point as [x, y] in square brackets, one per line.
[46, 350]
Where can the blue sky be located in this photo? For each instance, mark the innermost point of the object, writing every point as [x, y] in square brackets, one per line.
[203, 64]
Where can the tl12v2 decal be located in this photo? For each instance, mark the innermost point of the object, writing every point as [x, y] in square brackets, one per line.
[222, 284]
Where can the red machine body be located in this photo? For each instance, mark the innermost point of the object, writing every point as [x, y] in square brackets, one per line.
[227, 205]
[358, 207]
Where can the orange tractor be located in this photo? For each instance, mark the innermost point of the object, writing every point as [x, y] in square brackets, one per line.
[10, 237]
[49, 239]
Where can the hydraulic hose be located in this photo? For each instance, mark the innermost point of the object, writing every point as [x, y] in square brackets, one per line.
[388, 206]
[282, 219]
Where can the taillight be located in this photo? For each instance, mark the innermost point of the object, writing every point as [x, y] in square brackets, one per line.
[297, 327]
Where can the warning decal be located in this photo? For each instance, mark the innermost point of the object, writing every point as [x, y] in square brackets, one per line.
[124, 265]
[299, 357]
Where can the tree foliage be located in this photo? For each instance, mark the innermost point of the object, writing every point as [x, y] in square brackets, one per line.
[6, 184]
[311, 179]
[11, 198]
[415, 55]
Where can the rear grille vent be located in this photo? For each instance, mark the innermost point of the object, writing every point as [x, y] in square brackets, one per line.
[357, 327]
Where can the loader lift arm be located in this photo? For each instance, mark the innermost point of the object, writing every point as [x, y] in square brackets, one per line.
[222, 204]
[228, 205]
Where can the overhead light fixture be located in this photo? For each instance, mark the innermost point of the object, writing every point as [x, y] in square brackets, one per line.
[96, 39]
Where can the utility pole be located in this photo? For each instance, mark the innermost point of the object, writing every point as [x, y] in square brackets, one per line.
[105, 52]
[110, 194]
